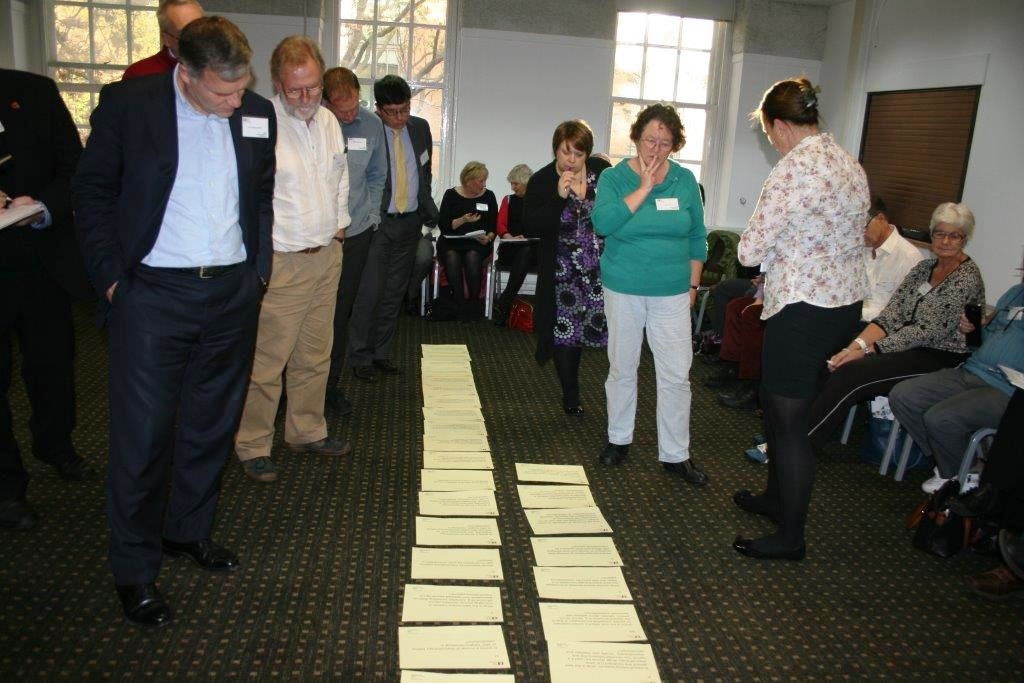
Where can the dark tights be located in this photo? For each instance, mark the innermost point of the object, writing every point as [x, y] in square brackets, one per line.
[567, 366]
[790, 471]
[470, 263]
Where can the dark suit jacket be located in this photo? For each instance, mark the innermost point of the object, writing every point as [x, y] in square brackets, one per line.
[44, 146]
[422, 142]
[127, 171]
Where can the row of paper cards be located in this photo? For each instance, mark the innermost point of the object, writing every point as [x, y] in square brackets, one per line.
[587, 641]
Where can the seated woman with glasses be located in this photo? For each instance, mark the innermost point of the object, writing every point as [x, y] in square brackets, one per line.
[916, 333]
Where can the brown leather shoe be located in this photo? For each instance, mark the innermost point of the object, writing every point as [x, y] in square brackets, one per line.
[996, 584]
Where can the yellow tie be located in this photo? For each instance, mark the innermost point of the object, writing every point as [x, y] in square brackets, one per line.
[401, 181]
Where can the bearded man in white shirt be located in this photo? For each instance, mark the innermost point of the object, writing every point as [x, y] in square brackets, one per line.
[296, 319]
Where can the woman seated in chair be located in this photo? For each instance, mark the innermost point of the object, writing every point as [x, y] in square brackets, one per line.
[917, 331]
[467, 219]
[518, 258]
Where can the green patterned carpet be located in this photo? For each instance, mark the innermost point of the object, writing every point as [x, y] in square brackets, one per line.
[326, 550]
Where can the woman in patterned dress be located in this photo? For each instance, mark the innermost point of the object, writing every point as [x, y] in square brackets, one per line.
[808, 232]
[569, 311]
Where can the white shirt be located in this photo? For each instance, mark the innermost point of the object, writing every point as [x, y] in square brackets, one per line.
[311, 183]
[893, 260]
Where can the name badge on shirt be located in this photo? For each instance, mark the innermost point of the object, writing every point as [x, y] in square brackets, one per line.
[255, 127]
[480, 206]
[924, 288]
[357, 144]
[667, 203]
[424, 158]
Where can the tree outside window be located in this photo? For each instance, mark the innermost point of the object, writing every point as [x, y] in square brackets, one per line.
[406, 38]
[93, 43]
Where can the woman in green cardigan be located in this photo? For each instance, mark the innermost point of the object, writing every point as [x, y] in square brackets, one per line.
[648, 209]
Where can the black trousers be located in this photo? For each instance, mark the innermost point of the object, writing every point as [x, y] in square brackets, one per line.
[388, 266]
[355, 252]
[181, 350]
[1004, 468]
[871, 376]
[521, 257]
[36, 311]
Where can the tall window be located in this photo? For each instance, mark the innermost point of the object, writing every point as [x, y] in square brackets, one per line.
[402, 37]
[660, 58]
[93, 43]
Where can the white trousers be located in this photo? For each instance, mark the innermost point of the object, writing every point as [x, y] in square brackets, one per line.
[667, 322]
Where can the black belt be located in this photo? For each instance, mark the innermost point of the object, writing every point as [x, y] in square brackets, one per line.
[401, 215]
[204, 272]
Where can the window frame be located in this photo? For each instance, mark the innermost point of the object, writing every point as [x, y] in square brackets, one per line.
[53, 64]
[714, 111]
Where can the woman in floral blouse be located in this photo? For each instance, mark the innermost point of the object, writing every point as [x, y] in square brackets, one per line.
[808, 231]
[916, 333]
[569, 311]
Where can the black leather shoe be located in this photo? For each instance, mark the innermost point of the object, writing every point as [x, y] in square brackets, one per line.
[748, 502]
[16, 514]
[687, 470]
[614, 454]
[744, 398]
[144, 606]
[205, 553]
[385, 366]
[337, 403]
[325, 446]
[364, 372]
[744, 547]
[75, 470]
[723, 377]
[575, 411]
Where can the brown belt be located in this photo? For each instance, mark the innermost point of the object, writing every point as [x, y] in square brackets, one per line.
[310, 250]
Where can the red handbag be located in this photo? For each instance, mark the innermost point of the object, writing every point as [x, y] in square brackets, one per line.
[520, 316]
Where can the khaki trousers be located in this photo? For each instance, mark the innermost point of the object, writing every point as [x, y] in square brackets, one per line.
[296, 330]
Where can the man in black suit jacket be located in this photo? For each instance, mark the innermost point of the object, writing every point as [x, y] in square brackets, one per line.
[174, 200]
[39, 266]
[406, 206]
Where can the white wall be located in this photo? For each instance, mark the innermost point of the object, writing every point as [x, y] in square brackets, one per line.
[264, 32]
[747, 156]
[933, 43]
[512, 89]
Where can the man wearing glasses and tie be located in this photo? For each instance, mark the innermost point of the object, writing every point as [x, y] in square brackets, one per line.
[405, 207]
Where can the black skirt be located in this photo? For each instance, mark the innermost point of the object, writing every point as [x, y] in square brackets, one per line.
[797, 342]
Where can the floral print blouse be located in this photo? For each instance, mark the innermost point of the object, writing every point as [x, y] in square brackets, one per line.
[807, 230]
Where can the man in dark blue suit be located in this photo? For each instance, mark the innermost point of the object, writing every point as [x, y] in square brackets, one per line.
[405, 207]
[174, 200]
[40, 265]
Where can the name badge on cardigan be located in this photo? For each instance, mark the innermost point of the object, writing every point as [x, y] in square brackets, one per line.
[667, 203]
[480, 206]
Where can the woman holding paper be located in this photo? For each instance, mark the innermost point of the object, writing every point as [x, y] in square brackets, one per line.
[467, 219]
[650, 212]
[569, 311]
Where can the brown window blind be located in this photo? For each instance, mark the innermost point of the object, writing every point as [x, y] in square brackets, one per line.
[915, 148]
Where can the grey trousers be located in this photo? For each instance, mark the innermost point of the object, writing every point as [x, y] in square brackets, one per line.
[942, 409]
[374, 317]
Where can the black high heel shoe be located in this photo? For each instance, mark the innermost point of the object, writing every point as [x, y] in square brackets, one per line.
[744, 547]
